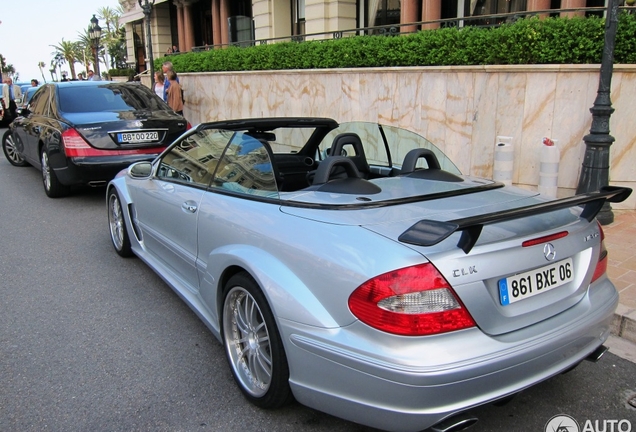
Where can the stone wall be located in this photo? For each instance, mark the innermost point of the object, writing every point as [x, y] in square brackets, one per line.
[460, 109]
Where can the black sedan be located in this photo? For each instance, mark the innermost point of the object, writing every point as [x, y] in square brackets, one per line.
[83, 133]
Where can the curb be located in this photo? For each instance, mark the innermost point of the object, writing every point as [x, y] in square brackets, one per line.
[624, 323]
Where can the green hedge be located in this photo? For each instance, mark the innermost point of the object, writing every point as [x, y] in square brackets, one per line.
[122, 72]
[527, 41]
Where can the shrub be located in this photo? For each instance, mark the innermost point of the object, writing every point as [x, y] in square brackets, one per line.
[526, 41]
[122, 72]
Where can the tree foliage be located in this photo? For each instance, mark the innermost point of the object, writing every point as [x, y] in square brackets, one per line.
[7, 69]
[112, 45]
[67, 52]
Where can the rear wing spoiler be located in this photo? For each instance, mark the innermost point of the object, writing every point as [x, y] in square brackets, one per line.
[430, 232]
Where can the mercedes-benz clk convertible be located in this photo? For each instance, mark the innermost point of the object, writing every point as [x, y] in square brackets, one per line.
[353, 268]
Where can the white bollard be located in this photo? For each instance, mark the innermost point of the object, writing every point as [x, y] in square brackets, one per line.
[549, 168]
[504, 160]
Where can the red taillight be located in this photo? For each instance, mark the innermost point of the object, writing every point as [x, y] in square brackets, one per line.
[413, 301]
[76, 146]
[601, 265]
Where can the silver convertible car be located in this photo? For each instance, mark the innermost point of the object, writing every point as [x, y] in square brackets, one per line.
[352, 267]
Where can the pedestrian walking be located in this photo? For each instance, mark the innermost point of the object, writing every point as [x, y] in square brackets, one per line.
[159, 84]
[175, 97]
[165, 67]
[10, 93]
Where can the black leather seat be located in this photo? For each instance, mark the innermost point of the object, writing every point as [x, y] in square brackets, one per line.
[411, 158]
[338, 174]
[326, 171]
[359, 159]
[434, 170]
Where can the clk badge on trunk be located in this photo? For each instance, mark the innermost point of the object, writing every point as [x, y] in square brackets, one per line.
[465, 271]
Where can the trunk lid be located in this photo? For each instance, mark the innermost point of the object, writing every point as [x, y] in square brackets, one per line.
[108, 130]
[499, 255]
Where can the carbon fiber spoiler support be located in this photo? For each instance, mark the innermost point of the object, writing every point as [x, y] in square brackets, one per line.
[430, 232]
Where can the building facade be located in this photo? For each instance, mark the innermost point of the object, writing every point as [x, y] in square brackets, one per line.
[200, 24]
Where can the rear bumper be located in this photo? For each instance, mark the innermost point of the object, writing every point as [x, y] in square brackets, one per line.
[96, 171]
[361, 375]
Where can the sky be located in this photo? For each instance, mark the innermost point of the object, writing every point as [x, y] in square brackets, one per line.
[28, 28]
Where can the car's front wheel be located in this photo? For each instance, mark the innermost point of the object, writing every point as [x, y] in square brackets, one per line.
[253, 346]
[52, 186]
[10, 151]
[117, 225]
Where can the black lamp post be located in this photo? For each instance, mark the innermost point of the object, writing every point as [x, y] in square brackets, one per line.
[147, 8]
[95, 34]
[595, 169]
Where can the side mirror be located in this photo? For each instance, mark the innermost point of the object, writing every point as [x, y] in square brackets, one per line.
[140, 170]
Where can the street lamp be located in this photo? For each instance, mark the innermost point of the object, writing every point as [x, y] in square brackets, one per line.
[147, 8]
[95, 34]
[595, 168]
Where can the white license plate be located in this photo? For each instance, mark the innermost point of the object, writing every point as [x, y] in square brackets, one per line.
[137, 137]
[528, 284]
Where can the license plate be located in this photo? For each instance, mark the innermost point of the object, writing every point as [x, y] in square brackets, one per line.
[528, 284]
[137, 137]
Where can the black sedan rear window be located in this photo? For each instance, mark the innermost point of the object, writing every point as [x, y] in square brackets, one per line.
[108, 98]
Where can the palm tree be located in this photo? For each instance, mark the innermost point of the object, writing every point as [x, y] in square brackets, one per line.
[41, 65]
[109, 33]
[109, 16]
[85, 44]
[7, 69]
[114, 36]
[117, 47]
[57, 62]
[70, 52]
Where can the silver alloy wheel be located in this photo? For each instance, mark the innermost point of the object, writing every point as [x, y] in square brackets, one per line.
[46, 171]
[247, 341]
[10, 150]
[116, 222]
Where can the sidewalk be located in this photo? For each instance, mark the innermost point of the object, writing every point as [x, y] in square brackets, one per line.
[620, 240]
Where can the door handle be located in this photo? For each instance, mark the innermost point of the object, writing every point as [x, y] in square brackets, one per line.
[189, 206]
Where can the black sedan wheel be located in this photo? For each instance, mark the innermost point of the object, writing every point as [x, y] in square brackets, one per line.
[253, 346]
[10, 152]
[117, 225]
[52, 186]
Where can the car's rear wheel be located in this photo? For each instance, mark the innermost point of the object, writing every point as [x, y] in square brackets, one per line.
[52, 186]
[117, 225]
[10, 151]
[253, 346]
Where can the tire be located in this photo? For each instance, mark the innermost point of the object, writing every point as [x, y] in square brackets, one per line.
[253, 346]
[52, 186]
[117, 225]
[10, 151]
